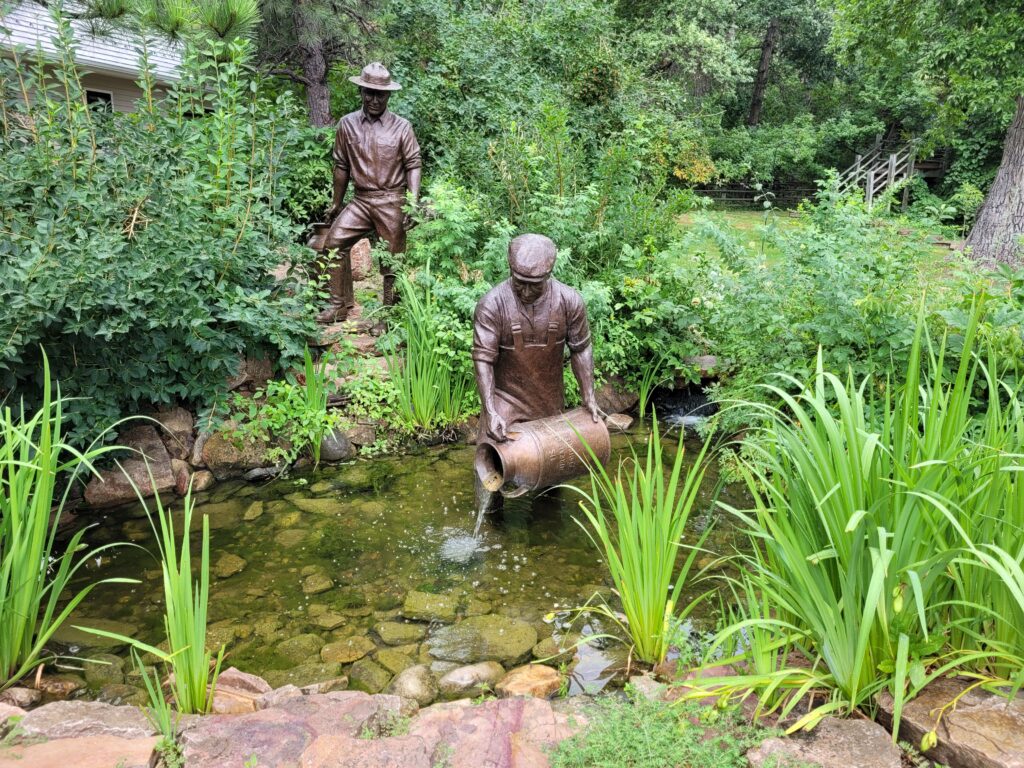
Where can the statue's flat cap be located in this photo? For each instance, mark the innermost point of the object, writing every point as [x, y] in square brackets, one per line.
[531, 257]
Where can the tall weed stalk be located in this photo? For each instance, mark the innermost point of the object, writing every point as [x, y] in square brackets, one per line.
[34, 571]
[637, 519]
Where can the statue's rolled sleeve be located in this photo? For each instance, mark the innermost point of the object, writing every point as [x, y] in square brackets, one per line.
[486, 333]
[410, 150]
[577, 328]
[340, 151]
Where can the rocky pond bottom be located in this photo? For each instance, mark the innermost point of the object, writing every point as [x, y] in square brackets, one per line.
[363, 570]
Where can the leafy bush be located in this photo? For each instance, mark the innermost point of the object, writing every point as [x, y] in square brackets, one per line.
[138, 247]
[290, 417]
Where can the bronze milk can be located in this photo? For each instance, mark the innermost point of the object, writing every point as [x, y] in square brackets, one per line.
[542, 453]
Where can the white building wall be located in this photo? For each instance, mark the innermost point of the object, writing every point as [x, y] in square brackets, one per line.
[113, 53]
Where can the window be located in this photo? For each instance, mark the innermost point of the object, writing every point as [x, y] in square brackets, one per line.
[101, 100]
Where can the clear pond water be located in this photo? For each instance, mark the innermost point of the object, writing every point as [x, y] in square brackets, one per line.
[333, 554]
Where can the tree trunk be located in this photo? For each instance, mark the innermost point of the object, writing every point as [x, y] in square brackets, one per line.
[314, 68]
[999, 229]
[771, 39]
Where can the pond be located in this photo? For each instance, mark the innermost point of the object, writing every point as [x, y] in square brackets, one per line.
[345, 555]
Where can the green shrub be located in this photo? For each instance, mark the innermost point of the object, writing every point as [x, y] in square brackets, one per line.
[138, 248]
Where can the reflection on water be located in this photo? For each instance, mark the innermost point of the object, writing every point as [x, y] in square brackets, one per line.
[334, 554]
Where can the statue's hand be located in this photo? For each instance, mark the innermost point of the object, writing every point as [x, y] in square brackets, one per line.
[497, 427]
[332, 212]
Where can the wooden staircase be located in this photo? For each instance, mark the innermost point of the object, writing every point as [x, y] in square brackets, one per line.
[885, 164]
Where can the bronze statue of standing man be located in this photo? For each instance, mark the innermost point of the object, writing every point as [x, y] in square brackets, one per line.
[376, 151]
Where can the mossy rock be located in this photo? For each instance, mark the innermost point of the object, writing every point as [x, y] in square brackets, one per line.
[484, 638]
[368, 676]
[423, 606]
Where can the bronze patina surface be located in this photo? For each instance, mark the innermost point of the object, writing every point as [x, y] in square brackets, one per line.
[522, 329]
[376, 151]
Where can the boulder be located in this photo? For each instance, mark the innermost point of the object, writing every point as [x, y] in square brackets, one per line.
[20, 698]
[196, 457]
[60, 686]
[424, 606]
[552, 651]
[704, 365]
[120, 694]
[484, 638]
[301, 648]
[202, 480]
[236, 680]
[226, 459]
[534, 680]
[114, 486]
[615, 397]
[7, 711]
[182, 475]
[262, 474]
[253, 373]
[647, 686]
[618, 422]
[369, 676]
[348, 650]
[336, 447]
[833, 743]
[278, 735]
[73, 719]
[177, 431]
[400, 633]
[982, 731]
[470, 681]
[416, 683]
[362, 261]
[238, 692]
[89, 752]
[361, 434]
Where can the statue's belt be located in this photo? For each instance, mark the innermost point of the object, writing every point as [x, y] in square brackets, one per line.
[382, 195]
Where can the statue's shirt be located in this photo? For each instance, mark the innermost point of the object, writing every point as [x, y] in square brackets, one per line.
[376, 153]
[526, 345]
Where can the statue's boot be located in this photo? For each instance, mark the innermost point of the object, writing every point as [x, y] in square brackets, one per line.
[340, 292]
[389, 296]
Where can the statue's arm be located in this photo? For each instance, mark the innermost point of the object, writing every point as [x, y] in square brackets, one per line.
[495, 426]
[583, 369]
[339, 154]
[340, 188]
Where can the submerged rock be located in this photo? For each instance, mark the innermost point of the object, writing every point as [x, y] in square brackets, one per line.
[400, 633]
[316, 583]
[470, 681]
[393, 661]
[424, 606]
[348, 650]
[368, 676]
[303, 674]
[484, 638]
[228, 565]
[68, 635]
[301, 648]
[416, 683]
[102, 669]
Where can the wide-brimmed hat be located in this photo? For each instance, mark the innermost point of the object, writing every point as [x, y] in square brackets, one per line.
[375, 76]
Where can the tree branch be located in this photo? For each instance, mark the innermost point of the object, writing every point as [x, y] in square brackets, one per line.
[291, 74]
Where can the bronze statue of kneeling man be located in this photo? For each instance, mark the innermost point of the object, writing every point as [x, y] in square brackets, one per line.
[521, 330]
